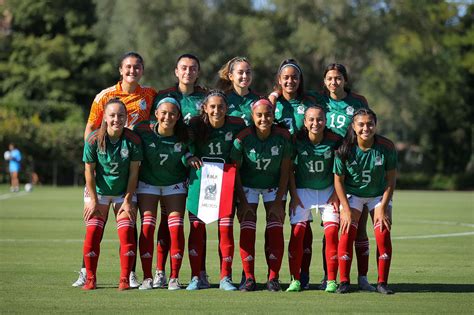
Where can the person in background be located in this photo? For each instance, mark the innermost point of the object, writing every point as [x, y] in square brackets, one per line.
[13, 156]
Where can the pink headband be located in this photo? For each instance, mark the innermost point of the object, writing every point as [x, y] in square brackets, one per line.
[262, 101]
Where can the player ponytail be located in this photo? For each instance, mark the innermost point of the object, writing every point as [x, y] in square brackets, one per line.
[202, 125]
[223, 82]
[102, 133]
[345, 151]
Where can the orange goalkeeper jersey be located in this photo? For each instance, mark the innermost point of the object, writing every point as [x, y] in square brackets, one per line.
[138, 104]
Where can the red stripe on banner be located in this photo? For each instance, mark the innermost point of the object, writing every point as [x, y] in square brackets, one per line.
[227, 192]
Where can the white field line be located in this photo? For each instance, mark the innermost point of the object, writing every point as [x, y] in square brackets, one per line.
[12, 195]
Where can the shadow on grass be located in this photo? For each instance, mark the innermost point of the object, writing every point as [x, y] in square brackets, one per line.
[432, 287]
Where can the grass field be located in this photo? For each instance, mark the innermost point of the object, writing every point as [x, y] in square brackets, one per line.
[41, 237]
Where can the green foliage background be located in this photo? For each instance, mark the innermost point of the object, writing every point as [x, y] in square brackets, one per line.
[413, 60]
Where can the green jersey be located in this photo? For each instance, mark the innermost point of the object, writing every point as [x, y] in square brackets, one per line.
[291, 112]
[314, 162]
[365, 171]
[241, 106]
[260, 160]
[163, 157]
[190, 103]
[339, 112]
[112, 166]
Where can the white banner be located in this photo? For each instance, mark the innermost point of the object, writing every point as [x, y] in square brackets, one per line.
[210, 192]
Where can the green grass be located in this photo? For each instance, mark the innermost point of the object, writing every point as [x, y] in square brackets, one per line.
[41, 237]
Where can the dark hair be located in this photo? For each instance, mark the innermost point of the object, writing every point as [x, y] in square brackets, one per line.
[223, 82]
[180, 129]
[190, 56]
[202, 127]
[293, 63]
[132, 54]
[342, 70]
[350, 139]
[302, 134]
[102, 133]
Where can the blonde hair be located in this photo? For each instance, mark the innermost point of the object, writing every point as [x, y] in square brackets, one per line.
[223, 82]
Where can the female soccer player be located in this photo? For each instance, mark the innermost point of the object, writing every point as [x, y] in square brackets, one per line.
[112, 157]
[365, 169]
[263, 155]
[138, 101]
[235, 78]
[311, 187]
[14, 166]
[212, 135]
[190, 96]
[163, 179]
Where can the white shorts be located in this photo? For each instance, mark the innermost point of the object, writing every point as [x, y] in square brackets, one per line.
[371, 202]
[176, 189]
[268, 194]
[107, 200]
[315, 199]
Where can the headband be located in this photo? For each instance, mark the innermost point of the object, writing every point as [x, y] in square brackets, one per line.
[290, 65]
[262, 101]
[169, 100]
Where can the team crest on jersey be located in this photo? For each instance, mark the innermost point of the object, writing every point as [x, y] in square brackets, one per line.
[124, 153]
[378, 160]
[350, 110]
[177, 147]
[142, 104]
[275, 150]
[300, 109]
[327, 154]
[228, 136]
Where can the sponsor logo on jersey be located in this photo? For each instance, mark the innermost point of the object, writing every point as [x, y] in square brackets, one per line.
[177, 147]
[124, 153]
[300, 109]
[142, 104]
[378, 160]
[327, 154]
[231, 106]
[350, 110]
[152, 145]
[275, 150]
[228, 136]
[353, 163]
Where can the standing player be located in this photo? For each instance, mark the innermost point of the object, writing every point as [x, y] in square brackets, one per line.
[263, 155]
[235, 78]
[112, 158]
[365, 170]
[14, 166]
[138, 101]
[212, 135]
[190, 96]
[311, 187]
[162, 179]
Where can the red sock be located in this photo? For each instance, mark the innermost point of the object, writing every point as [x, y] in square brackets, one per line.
[345, 251]
[226, 245]
[276, 247]
[176, 228]
[146, 245]
[195, 243]
[295, 248]
[362, 253]
[247, 247]
[162, 243]
[384, 246]
[307, 249]
[126, 233]
[91, 250]
[331, 230]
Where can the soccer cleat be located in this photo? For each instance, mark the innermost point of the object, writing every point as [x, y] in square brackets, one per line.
[160, 279]
[90, 284]
[364, 284]
[295, 286]
[304, 280]
[384, 289]
[147, 284]
[174, 284]
[343, 287]
[193, 284]
[204, 280]
[226, 284]
[273, 285]
[242, 281]
[323, 284]
[81, 281]
[133, 281]
[331, 286]
[249, 285]
[124, 284]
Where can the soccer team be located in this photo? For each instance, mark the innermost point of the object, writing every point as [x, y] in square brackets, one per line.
[144, 148]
